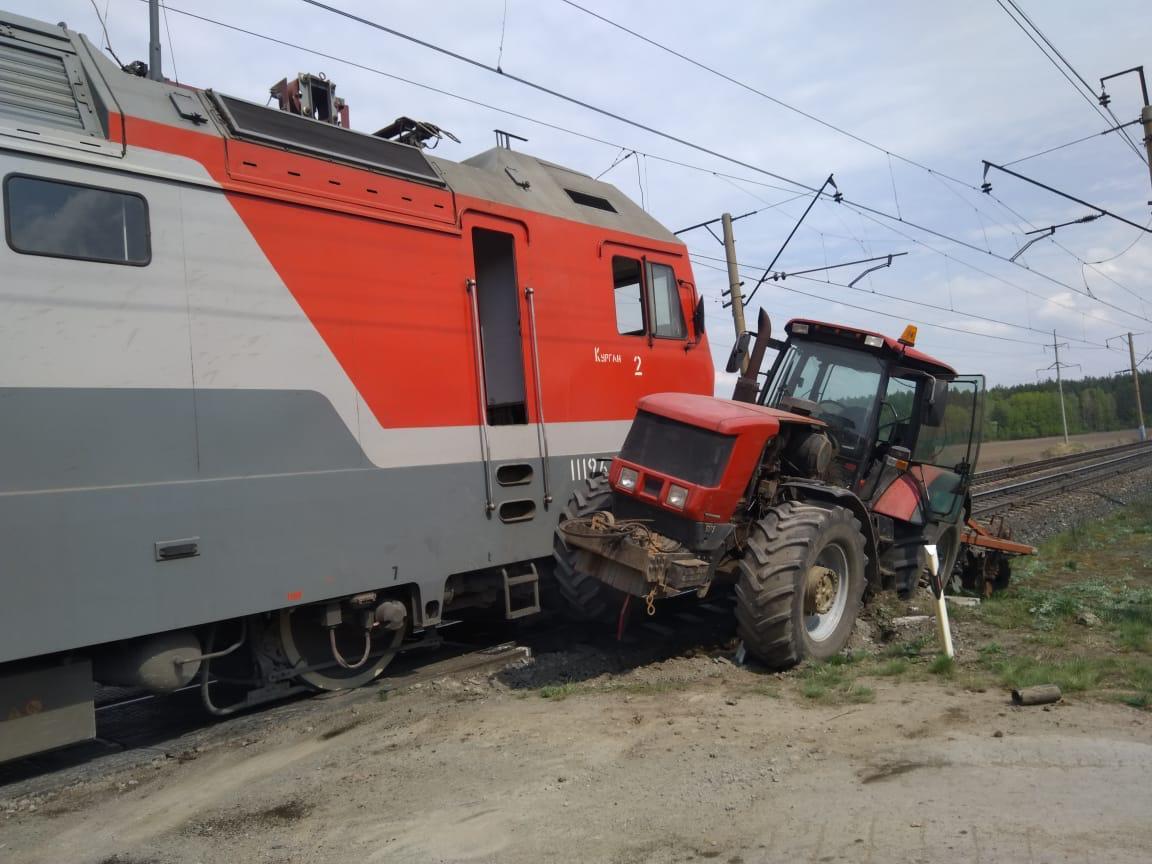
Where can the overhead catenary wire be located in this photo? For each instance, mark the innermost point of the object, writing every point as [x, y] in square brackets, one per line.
[1087, 93]
[171, 50]
[1103, 103]
[703, 260]
[1071, 143]
[794, 184]
[826, 299]
[890, 154]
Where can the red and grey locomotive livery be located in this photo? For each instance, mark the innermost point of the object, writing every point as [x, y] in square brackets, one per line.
[275, 393]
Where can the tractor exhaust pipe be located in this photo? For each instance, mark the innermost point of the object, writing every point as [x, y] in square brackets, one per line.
[748, 385]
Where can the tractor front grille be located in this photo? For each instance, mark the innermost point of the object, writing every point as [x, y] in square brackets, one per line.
[697, 456]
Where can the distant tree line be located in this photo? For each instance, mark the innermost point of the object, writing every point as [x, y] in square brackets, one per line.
[1093, 405]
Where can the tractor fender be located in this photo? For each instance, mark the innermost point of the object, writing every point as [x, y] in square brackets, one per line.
[817, 492]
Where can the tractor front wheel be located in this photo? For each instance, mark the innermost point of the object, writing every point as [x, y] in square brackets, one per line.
[583, 597]
[801, 583]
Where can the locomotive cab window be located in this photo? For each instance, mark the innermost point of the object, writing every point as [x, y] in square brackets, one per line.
[69, 220]
[647, 299]
[667, 314]
[629, 296]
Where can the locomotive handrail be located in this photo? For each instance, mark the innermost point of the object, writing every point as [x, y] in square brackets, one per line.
[541, 427]
[481, 396]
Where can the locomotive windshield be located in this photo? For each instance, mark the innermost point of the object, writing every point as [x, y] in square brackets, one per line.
[841, 385]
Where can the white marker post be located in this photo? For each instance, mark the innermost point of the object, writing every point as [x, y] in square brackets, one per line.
[943, 629]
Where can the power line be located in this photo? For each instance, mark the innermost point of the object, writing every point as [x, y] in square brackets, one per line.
[1088, 96]
[921, 303]
[780, 102]
[877, 311]
[1070, 143]
[983, 272]
[619, 118]
[612, 115]
[751, 89]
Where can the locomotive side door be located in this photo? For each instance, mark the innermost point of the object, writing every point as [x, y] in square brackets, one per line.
[513, 436]
[498, 310]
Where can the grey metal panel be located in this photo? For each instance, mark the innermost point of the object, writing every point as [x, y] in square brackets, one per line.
[53, 438]
[250, 121]
[486, 175]
[79, 566]
[34, 88]
[56, 438]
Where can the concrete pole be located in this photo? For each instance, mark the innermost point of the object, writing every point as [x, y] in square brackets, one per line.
[1136, 375]
[154, 71]
[1060, 385]
[734, 281]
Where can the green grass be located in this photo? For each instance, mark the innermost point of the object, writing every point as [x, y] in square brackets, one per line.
[1136, 700]
[557, 692]
[943, 665]
[833, 682]
[893, 668]
[906, 650]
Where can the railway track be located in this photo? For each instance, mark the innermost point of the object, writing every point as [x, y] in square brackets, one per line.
[134, 727]
[1014, 486]
[1007, 472]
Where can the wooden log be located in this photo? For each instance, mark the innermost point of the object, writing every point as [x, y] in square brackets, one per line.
[1042, 694]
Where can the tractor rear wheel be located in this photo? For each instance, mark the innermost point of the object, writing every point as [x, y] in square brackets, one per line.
[583, 597]
[801, 582]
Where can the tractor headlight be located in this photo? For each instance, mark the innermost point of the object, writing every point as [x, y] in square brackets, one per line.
[628, 479]
[677, 496]
[874, 341]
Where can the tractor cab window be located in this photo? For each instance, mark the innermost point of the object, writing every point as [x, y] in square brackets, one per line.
[841, 387]
[895, 423]
[947, 448]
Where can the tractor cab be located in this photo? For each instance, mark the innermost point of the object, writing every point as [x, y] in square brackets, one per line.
[885, 404]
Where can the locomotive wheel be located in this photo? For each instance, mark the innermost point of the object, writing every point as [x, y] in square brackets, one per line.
[801, 582]
[305, 642]
[583, 597]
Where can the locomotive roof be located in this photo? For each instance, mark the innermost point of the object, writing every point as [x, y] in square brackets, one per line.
[61, 86]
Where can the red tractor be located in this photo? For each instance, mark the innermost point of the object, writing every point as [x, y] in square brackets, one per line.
[809, 492]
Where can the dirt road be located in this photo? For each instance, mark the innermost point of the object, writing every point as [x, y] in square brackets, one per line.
[689, 759]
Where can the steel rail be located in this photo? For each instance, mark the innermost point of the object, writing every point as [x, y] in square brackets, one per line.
[1024, 468]
[1025, 492]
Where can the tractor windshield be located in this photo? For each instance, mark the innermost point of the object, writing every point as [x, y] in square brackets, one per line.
[842, 386]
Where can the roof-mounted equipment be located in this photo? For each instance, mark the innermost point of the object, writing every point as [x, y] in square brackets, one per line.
[311, 96]
[415, 133]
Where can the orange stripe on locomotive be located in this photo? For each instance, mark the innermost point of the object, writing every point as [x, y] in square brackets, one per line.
[384, 285]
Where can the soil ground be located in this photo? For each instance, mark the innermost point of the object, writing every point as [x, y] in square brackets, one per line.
[993, 454]
[888, 754]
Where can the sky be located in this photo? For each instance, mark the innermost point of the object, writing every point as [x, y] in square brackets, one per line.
[944, 85]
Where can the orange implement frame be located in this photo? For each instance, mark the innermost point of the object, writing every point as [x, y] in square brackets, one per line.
[984, 538]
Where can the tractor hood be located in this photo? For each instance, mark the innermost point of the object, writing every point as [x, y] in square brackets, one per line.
[721, 415]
